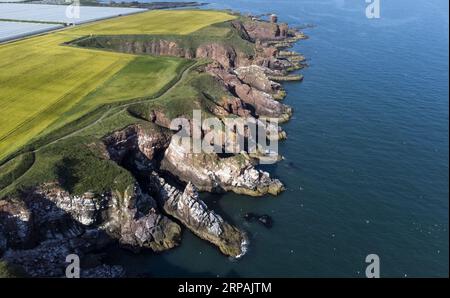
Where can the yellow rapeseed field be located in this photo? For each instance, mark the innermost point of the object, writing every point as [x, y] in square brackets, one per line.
[41, 79]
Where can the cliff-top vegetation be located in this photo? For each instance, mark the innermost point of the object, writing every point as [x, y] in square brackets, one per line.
[46, 84]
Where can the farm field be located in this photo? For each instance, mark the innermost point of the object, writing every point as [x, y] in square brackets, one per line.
[161, 22]
[44, 83]
[13, 30]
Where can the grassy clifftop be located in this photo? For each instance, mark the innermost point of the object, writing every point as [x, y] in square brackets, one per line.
[58, 101]
[42, 79]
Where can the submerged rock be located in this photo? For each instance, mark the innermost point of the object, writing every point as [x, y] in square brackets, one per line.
[264, 219]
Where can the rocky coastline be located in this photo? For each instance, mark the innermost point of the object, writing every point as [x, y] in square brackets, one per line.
[44, 224]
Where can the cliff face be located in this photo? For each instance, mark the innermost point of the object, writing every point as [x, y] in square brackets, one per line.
[248, 90]
[209, 172]
[16, 229]
[154, 47]
[138, 143]
[144, 145]
[134, 219]
[195, 215]
[226, 54]
[258, 30]
[256, 76]
[49, 215]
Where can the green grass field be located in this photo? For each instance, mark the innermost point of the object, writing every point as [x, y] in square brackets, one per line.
[199, 91]
[45, 85]
[142, 76]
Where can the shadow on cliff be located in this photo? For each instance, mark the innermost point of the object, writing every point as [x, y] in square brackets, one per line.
[64, 172]
[212, 200]
[37, 236]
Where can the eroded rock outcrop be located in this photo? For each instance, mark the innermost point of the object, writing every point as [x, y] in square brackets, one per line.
[187, 207]
[225, 55]
[16, 225]
[259, 30]
[209, 172]
[85, 209]
[130, 217]
[137, 142]
[159, 47]
[262, 103]
[80, 224]
[182, 205]
[39, 235]
[255, 76]
[134, 219]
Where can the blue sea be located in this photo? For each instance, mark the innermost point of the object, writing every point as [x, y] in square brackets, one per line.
[367, 157]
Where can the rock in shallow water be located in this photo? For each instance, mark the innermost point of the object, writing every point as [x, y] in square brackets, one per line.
[264, 219]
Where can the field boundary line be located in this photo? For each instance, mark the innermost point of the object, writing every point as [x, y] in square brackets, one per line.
[123, 106]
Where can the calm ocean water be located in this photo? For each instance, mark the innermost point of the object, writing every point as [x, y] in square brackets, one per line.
[367, 156]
